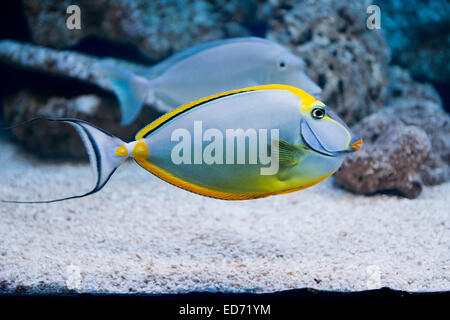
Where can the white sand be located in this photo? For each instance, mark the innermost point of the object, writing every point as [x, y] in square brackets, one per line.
[141, 234]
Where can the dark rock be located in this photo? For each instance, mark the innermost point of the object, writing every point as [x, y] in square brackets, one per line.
[404, 88]
[346, 59]
[389, 161]
[405, 145]
[157, 28]
[418, 33]
[67, 64]
[419, 104]
[436, 123]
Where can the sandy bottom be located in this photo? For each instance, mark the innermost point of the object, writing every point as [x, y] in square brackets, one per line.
[140, 234]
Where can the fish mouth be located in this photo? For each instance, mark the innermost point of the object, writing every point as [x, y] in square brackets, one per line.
[357, 145]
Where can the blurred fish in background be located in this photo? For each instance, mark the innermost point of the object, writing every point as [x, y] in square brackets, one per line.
[207, 69]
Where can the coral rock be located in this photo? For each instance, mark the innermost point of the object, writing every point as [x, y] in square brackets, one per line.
[389, 161]
[405, 146]
[67, 64]
[346, 59]
[157, 28]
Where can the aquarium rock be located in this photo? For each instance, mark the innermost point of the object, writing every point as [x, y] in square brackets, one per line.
[389, 161]
[405, 145]
[419, 104]
[66, 64]
[405, 88]
[346, 59]
[157, 29]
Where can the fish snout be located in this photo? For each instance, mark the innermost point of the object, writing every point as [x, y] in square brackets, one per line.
[355, 144]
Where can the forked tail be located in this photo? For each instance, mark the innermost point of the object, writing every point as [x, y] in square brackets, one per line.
[103, 149]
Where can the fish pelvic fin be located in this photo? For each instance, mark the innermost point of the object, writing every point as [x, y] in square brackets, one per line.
[130, 89]
[288, 154]
[106, 153]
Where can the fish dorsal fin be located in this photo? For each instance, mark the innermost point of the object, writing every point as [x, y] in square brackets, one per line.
[164, 65]
[144, 132]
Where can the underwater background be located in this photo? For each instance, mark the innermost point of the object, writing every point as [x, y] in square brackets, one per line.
[391, 85]
[397, 74]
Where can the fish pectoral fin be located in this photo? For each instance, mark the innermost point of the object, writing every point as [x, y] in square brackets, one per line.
[288, 154]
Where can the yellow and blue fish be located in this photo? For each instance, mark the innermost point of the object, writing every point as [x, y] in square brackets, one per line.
[206, 69]
[241, 144]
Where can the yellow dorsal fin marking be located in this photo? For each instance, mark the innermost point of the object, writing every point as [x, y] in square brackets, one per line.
[213, 193]
[121, 151]
[306, 101]
[140, 150]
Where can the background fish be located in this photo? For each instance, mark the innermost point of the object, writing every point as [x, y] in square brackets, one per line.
[310, 145]
[207, 69]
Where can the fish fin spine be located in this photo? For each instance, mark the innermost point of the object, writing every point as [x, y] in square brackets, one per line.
[288, 154]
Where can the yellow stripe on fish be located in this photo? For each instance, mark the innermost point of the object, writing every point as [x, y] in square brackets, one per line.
[307, 102]
[214, 193]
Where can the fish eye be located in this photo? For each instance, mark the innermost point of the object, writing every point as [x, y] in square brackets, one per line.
[282, 64]
[318, 113]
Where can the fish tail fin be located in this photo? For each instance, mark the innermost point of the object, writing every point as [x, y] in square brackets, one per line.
[106, 153]
[131, 90]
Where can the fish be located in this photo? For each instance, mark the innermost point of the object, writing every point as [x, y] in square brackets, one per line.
[241, 144]
[203, 70]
